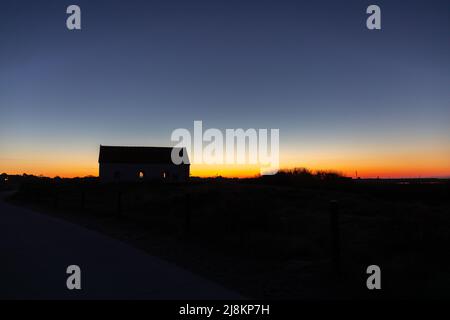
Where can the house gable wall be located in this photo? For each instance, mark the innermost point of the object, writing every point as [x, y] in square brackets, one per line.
[110, 172]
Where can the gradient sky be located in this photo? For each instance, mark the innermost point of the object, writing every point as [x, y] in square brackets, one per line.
[343, 97]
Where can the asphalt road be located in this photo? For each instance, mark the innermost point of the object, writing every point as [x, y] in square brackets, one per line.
[35, 251]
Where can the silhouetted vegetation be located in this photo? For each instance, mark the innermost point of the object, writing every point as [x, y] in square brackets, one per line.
[270, 236]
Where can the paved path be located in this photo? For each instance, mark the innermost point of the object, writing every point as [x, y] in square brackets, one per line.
[36, 249]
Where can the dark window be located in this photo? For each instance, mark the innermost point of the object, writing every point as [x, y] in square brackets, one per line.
[116, 175]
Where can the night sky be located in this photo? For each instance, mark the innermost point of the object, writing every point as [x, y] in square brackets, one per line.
[344, 97]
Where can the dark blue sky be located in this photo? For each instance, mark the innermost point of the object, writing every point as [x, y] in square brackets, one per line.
[342, 96]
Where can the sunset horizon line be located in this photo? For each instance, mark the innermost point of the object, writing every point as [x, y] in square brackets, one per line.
[246, 176]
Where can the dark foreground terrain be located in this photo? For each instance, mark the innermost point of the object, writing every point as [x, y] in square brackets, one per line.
[273, 237]
[37, 249]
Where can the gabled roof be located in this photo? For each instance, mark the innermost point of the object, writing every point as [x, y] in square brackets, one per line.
[155, 155]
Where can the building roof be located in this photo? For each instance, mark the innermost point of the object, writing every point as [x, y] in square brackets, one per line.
[119, 154]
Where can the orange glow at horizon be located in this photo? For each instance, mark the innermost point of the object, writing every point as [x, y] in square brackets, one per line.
[399, 170]
[407, 162]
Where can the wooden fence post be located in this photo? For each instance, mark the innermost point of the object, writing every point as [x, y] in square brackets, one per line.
[335, 236]
[83, 199]
[266, 221]
[119, 203]
[55, 199]
[187, 223]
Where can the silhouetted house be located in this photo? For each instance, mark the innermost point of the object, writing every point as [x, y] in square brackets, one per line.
[140, 163]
